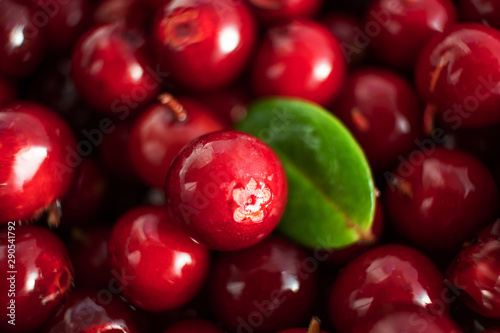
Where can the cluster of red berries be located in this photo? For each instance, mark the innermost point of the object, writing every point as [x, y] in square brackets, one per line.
[127, 203]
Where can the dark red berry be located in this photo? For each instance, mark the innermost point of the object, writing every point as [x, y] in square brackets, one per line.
[381, 277]
[112, 70]
[264, 288]
[194, 326]
[441, 201]
[160, 267]
[382, 111]
[39, 279]
[271, 11]
[35, 170]
[22, 40]
[162, 130]
[299, 59]
[483, 11]
[458, 75]
[131, 12]
[204, 45]
[399, 29]
[228, 188]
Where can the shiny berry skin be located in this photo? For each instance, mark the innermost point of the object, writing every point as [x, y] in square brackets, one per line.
[381, 110]
[441, 201]
[95, 311]
[280, 10]
[299, 59]
[265, 288]
[407, 319]
[474, 275]
[160, 267]
[34, 166]
[194, 326]
[228, 188]
[112, 70]
[43, 279]
[346, 29]
[483, 11]
[8, 92]
[457, 73]
[65, 21]
[381, 277]
[204, 44]
[84, 198]
[160, 133]
[88, 249]
[22, 42]
[405, 26]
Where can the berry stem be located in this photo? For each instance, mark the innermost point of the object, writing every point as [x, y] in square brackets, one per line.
[314, 325]
[178, 110]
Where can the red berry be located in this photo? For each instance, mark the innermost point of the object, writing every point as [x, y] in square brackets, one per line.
[162, 130]
[42, 279]
[484, 11]
[228, 188]
[35, 168]
[112, 71]
[204, 45]
[270, 11]
[299, 59]
[264, 288]
[457, 74]
[194, 326]
[381, 277]
[403, 27]
[441, 201]
[382, 112]
[160, 267]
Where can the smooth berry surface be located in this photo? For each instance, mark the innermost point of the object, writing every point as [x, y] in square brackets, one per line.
[270, 12]
[194, 326]
[474, 273]
[112, 71]
[457, 73]
[160, 267]
[22, 42]
[162, 130]
[441, 201]
[381, 110]
[407, 25]
[483, 11]
[408, 319]
[228, 188]
[385, 275]
[299, 59]
[204, 45]
[34, 166]
[42, 279]
[269, 284]
[95, 311]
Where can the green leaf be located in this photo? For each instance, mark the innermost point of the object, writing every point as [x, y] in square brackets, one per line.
[331, 193]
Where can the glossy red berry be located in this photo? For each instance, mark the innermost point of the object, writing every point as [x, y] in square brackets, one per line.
[474, 273]
[458, 73]
[400, 28]
[95, 311]
[270, 12]
[160, 267]
[385, 276]
[162, 130]
[382, 112]
[407, 319]
[484, 11]
[88, 249]
[299, 59]
[228, 188]
[204, 45]
[264, 288]
[35, 168]
[38, 280]
[22, 40]
[112, 70]
[441, 199]
[194, 326]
